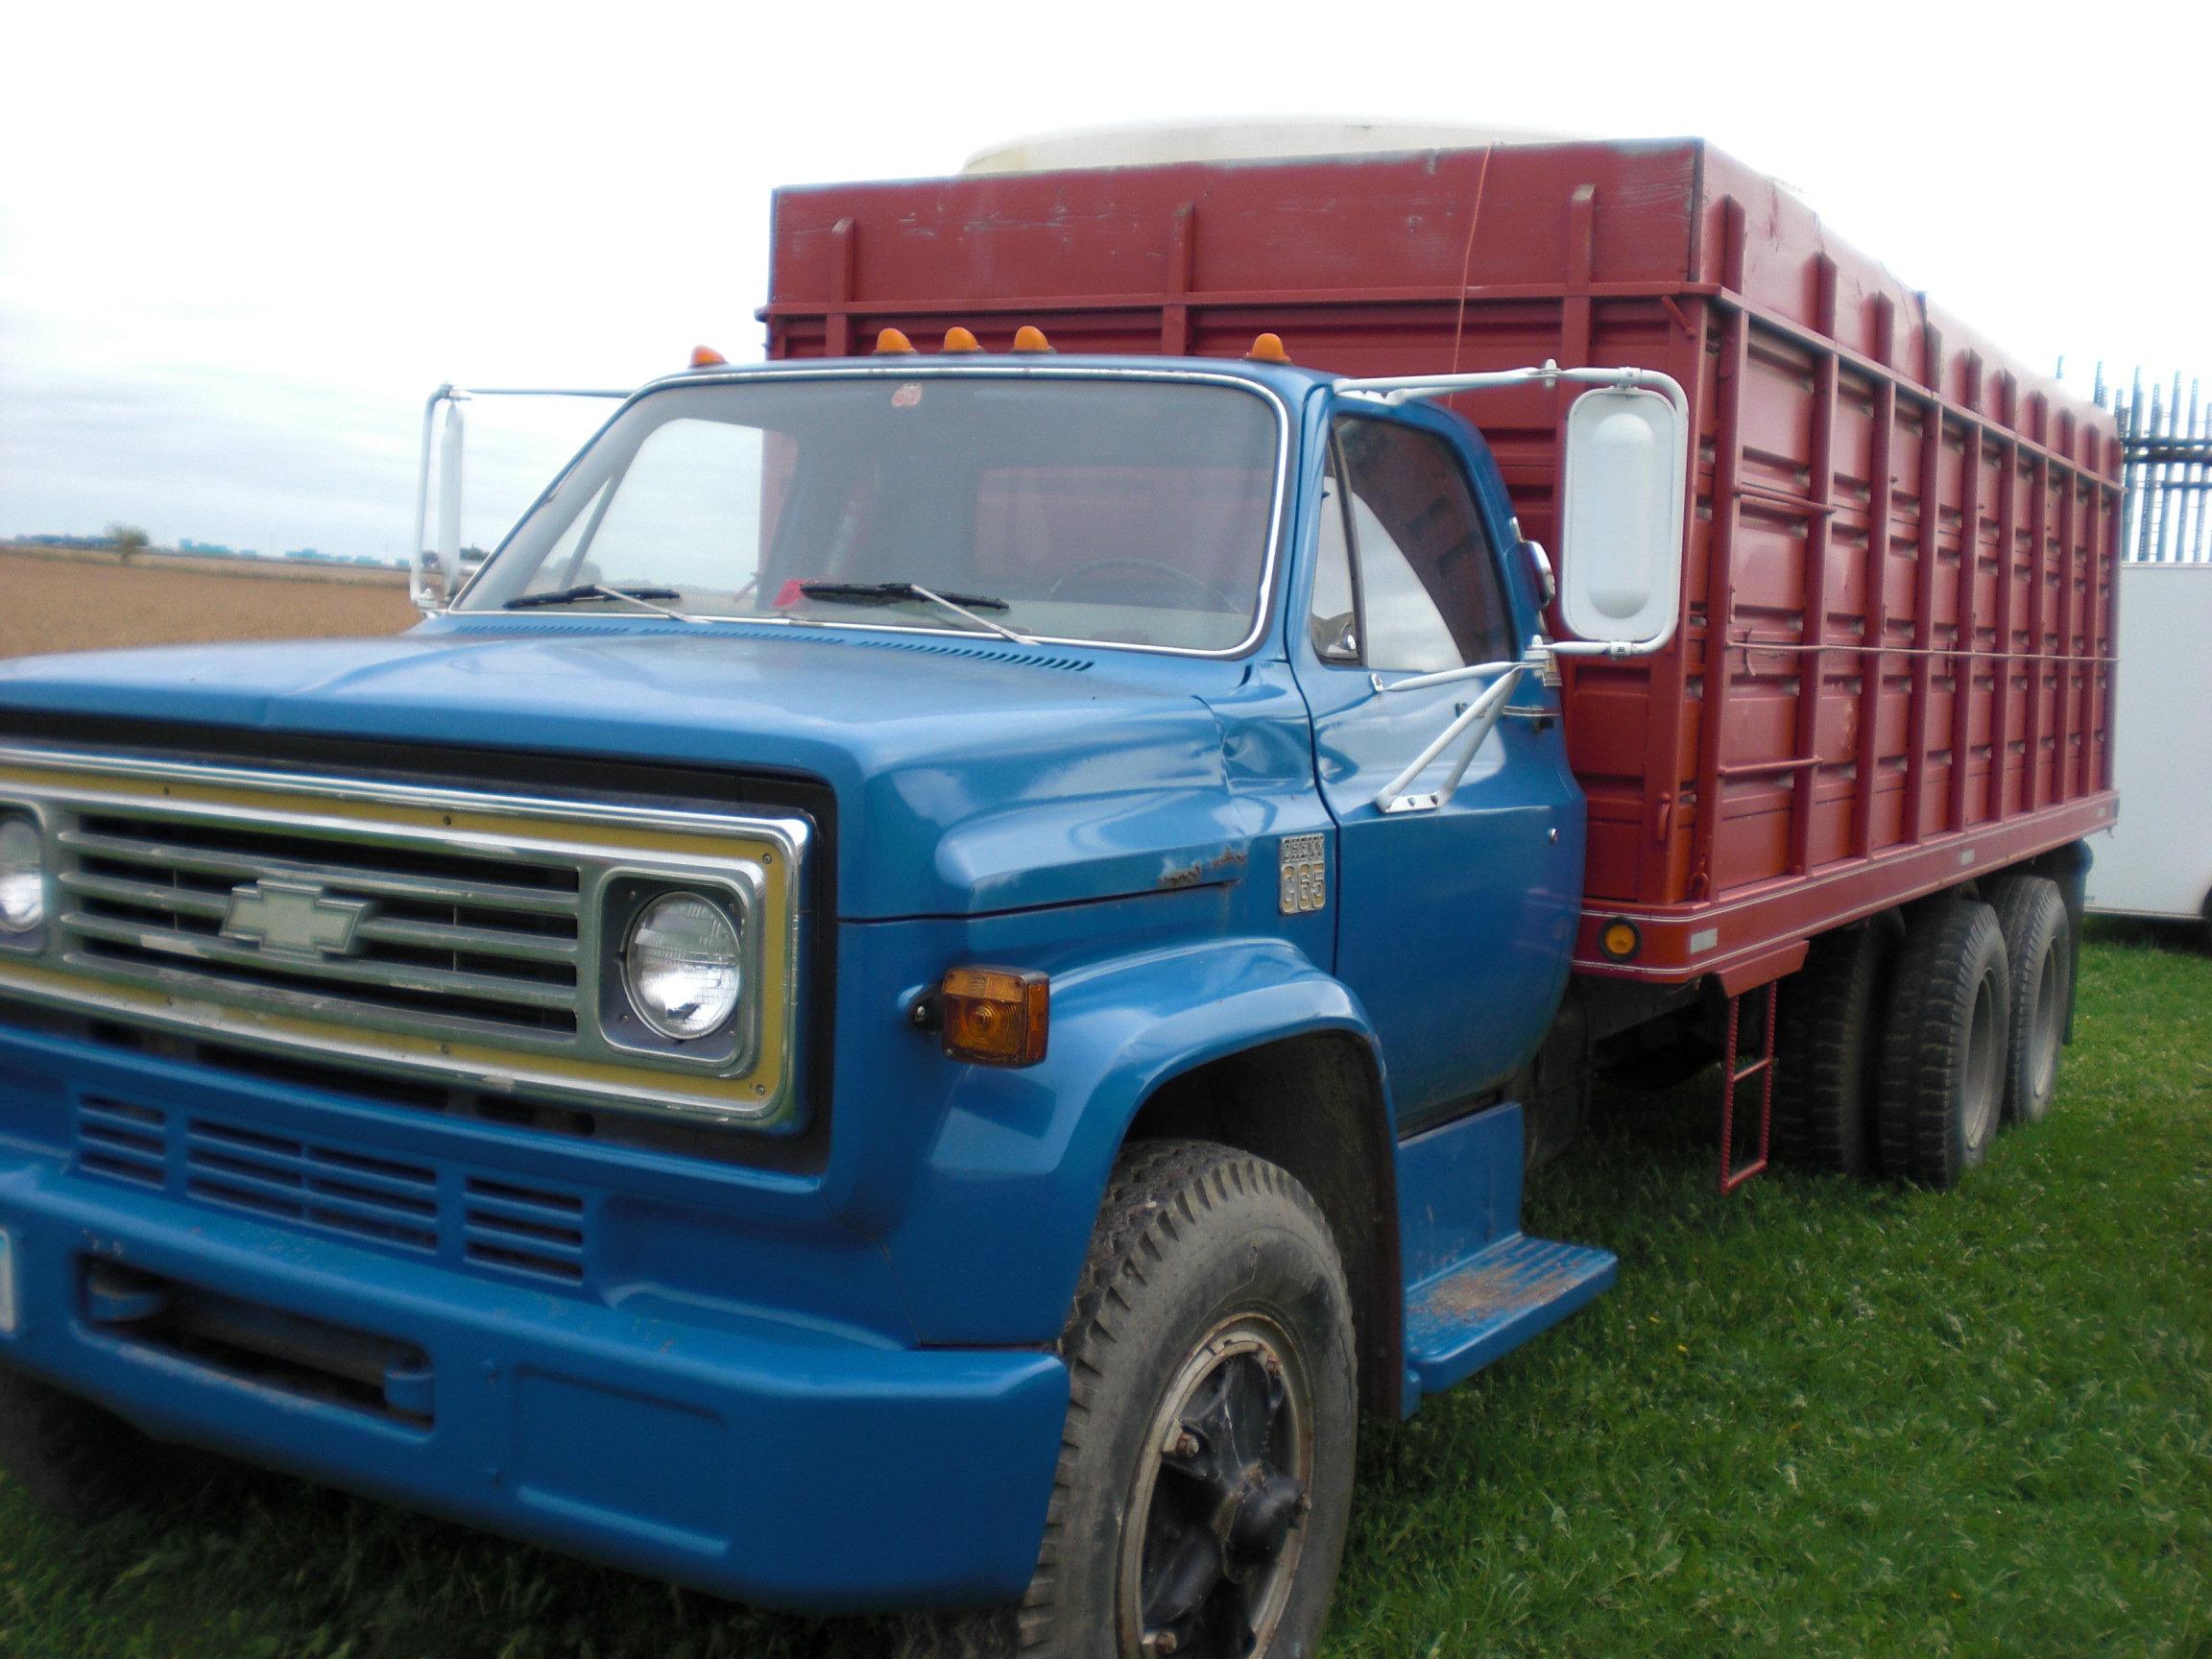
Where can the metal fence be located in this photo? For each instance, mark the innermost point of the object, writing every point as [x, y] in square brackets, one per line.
[2168, 448]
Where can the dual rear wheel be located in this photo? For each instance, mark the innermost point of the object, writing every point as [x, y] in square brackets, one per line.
[1906, 1045]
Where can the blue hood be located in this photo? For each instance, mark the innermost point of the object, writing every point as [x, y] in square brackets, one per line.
[971, 777]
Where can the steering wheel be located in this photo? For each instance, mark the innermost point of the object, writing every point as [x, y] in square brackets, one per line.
[1221, 600]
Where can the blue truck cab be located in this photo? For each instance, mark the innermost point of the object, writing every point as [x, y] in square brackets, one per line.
[906, 881]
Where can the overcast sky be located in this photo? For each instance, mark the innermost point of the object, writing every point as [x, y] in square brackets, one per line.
[238, 246]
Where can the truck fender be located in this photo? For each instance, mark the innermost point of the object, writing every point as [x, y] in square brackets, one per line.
[992, 1245]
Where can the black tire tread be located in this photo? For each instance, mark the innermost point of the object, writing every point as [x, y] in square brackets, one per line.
[1158, 1189]
[1827, 1037]
[1930, 1015]
[2031, 914]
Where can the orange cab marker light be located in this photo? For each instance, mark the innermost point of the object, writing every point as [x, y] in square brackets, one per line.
[1030, 338]
[995, 1016]
[1620, 940]
[959, 340]
[892, 343]
[1267, 348]
[707, 357]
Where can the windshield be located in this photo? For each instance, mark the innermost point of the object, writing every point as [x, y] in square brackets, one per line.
[1126, 510]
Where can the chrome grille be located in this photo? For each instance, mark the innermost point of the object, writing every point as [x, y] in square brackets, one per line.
[487, 945]
[411, 930]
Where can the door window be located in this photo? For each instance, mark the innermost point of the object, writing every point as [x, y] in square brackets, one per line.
[1423, 590]
[1335, 616]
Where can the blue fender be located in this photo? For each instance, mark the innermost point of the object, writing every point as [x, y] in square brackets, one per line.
[991, 1249]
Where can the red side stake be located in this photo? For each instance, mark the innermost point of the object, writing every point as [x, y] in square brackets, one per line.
[1736, 1077]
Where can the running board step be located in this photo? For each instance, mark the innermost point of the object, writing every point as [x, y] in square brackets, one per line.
[1461, 1319]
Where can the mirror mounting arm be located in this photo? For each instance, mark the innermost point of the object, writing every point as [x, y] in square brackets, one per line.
[1614, 649]
[1475, 723]
[1471, 728]
[1399, 389]
[448, 457]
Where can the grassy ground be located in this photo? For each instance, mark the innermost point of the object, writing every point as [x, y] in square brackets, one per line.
[1815, 1418]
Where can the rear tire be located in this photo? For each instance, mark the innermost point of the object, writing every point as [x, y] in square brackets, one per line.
[1943, 1043]
[1214, 1300]
[1828, 1036]
[2039, 944]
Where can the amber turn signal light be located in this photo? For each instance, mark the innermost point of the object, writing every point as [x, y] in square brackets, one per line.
[707, 357]
[1618, 939]
[995, 1016]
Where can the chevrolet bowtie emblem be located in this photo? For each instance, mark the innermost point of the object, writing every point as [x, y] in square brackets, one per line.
[295, 919]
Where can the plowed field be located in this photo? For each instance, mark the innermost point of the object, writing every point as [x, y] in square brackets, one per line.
[87, 602]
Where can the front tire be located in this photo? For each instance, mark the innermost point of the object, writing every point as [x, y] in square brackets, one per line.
[1205, 1480]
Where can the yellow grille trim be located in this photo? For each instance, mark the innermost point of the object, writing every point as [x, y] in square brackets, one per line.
[723, 1099]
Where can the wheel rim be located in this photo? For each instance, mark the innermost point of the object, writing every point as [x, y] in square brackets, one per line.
[1980, 1091]
[2043, 1035]
[1220, 1500]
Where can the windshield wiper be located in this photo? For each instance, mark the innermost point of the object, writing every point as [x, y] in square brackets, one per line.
[600, 591]
[959, 604]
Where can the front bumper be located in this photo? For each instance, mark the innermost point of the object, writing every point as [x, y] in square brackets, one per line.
[811, 1469]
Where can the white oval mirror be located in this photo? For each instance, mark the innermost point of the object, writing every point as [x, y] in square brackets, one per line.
[451, 469]
[1621, 516]
[434, 569]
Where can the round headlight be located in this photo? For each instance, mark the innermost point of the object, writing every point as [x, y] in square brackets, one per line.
[681, 968]
[22, 876]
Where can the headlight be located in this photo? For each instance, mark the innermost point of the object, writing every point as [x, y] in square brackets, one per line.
[681, 966]
[22, 876]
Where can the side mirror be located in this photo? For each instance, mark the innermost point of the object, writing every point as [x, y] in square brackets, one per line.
[435, 573]
[1622, 517]
[450, 471]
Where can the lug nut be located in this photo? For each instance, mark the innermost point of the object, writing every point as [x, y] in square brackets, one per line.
[1186, 1446]
[1160, 1642]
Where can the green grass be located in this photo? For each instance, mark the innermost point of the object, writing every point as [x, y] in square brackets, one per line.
[1815, 1418]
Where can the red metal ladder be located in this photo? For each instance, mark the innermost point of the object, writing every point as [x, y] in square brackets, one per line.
[1734, 1075]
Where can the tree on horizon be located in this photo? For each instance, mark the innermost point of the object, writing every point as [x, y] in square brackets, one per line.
[127, 541]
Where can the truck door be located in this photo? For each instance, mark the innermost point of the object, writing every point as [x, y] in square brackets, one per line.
[1453, 924]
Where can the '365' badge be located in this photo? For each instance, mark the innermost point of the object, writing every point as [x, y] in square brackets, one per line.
[1305, 874]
